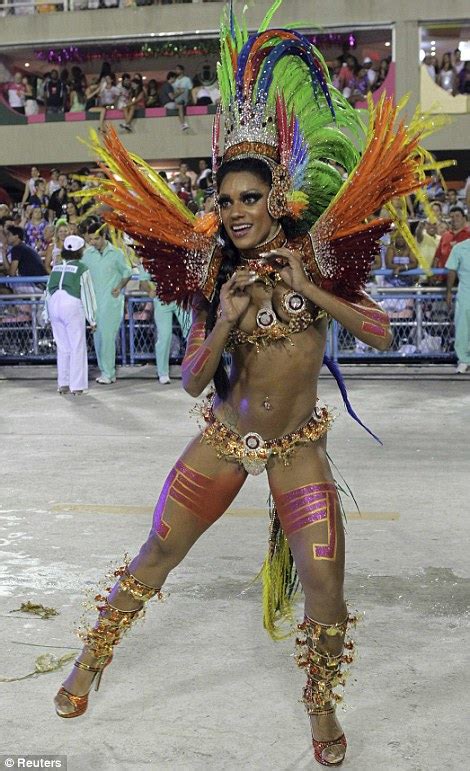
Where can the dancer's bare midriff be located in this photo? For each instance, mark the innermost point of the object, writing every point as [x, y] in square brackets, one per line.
[273, 391]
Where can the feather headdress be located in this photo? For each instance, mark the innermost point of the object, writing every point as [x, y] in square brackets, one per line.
[331, 171]
[278, 104]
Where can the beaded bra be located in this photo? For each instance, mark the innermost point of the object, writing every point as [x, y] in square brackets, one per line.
[269, 329]
[277, 330]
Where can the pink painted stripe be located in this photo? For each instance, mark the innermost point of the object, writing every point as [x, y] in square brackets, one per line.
[71, 117]
[328, 551]
[185, 501]
[187, 489]
[163, 529]
[307, 489]
[374, 315]
[196, 476]
[304, 522]
[300, 511]
[40, 118]
[193, 347]
[295, 503]
[373, 329]
[195, 342]
[199, 361]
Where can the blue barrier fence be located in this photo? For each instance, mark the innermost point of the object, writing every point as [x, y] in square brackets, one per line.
[422, 325]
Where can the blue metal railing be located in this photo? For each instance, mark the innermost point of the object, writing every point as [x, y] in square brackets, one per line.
[421, 322]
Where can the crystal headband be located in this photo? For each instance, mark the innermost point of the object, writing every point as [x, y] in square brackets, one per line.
[250, 149]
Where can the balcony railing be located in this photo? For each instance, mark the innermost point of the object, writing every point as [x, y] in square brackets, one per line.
[26, 7]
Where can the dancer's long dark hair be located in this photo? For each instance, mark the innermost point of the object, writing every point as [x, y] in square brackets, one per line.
[230, 255]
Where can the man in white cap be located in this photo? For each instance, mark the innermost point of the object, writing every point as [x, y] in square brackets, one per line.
[70, 300]
[371, 73]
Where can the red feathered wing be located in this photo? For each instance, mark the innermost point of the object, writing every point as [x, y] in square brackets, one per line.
[346, 236]
[138, 202]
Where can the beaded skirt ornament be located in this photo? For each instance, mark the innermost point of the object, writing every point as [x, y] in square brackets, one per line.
[251, 450]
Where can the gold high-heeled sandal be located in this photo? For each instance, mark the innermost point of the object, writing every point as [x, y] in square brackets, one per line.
[106, 634]
[324, 673]
[81, 702]
[319, 747]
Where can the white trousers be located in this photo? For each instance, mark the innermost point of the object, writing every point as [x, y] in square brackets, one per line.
[69, 329]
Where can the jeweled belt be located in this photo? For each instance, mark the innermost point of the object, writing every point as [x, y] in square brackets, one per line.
[251, 450]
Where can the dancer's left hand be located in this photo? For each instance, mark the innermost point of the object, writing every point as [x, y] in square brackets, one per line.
[290, 267]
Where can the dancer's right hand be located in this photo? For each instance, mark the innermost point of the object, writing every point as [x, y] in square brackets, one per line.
[235, 295]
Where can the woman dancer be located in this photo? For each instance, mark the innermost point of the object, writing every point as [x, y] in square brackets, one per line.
[284, 250]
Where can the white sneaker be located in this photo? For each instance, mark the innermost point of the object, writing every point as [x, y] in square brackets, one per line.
[184, 127]
[104, 380]
[164, 379]
[462, 368]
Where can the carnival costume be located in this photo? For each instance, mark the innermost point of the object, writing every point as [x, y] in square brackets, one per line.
[278, 106]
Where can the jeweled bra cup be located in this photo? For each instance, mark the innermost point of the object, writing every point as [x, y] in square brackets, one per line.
[264, 336]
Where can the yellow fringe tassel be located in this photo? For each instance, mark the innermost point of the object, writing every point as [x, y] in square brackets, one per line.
[280, 582]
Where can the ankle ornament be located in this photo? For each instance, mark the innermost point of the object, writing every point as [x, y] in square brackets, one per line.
[109, 629]
[137, 589]
[112, 622]
[325, 670]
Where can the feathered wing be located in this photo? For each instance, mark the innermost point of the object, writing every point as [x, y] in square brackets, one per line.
[345, 237]
[138, 201]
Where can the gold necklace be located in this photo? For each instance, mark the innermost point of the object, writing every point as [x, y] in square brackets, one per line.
[277, 240]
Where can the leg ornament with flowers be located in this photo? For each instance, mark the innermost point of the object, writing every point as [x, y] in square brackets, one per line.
[322, 651]
[101, 639]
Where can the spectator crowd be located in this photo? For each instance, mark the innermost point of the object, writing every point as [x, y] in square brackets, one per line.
[34, 229]
[450, 73]
[51, 209]
[70, 91]
[356, 79]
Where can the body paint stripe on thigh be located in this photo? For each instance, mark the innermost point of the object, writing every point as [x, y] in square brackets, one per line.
[186, 487]
[306, 506]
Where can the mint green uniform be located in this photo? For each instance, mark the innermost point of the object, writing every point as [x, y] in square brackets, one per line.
[459, 260]
[163, 315]
[108, 268]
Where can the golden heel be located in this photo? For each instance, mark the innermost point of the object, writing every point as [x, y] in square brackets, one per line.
[101, 639]
[80, 703]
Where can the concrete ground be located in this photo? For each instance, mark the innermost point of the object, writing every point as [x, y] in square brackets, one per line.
[198, 684]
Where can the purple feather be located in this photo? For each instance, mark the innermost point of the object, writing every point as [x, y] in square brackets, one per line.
[336, 372]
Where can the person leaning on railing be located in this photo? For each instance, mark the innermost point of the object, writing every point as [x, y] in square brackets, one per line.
[399, 259]
[23, 260]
